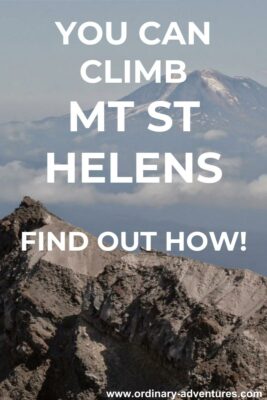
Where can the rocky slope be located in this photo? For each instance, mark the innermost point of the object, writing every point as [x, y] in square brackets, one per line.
[75, 326]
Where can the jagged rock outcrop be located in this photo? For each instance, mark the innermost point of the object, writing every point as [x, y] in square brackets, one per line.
[75, 327]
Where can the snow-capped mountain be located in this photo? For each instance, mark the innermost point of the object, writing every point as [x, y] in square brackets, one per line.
[235, 104]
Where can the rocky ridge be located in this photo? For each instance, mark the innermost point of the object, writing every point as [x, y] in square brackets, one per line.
[73, 327]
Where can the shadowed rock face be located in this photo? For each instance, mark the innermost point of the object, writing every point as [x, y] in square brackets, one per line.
[73, 328]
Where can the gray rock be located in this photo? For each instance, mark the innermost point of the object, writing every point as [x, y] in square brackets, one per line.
[73, 328]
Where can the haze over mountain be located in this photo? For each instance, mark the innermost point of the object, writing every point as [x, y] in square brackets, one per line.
[232, 121]
[232, 103]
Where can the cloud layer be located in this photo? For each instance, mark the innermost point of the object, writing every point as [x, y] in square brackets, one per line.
[19, 180]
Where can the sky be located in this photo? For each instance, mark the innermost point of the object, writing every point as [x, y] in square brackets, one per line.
[39, 76]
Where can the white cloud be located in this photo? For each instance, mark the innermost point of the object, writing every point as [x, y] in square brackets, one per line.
[261, 144]
[20, 131]
[233, 193]
[214, 134]
[230, 165]
[17, 180]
